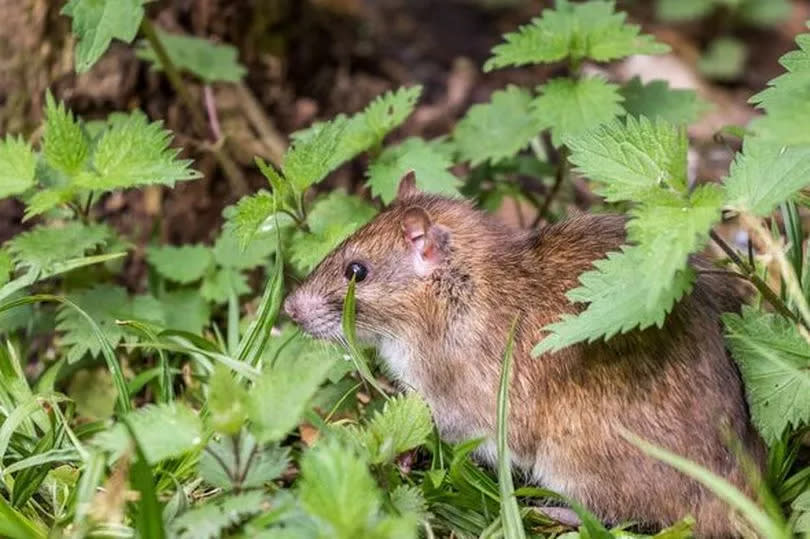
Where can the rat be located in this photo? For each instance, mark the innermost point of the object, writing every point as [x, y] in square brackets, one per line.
[438, 284]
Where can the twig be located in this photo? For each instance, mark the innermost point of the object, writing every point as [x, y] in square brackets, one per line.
[750, 273]
[276, 143]
[211, 109]
[563, 169]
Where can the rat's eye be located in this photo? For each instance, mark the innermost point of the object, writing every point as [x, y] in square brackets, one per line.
[356, 270]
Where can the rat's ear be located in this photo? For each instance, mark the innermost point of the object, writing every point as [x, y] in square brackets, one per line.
[407, 186]
[426, 238]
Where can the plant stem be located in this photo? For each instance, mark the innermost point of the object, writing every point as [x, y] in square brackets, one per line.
[563, 172]
[211, 109]
[749, 272]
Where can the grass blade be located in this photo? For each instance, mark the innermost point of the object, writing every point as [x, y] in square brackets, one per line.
[15, 526]
[120, 384]
[724, 490]
[348, 321]
[510, 513]
[259, 329]
[166, 389]
[149, 515]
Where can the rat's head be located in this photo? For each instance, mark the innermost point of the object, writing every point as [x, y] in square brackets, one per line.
[396, 260]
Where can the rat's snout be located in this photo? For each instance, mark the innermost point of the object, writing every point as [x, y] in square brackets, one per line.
[291, 307]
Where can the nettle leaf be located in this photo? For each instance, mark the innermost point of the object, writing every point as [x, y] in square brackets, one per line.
[249, 215]
[787, 100]
[765, 174]
[43, 246]
[217, 286]
[213, 518]
[134, 152]
[497, 130]
[280, 396]
[614, 307]
[337, 489]
[774, 361]
[246, 464]
[332, 219]
[428, 164]
[669, 229]
[48, 199]
[657, 100]
[229, 254]
[65, 146]
[150, 425]
[576, 30]
[227, 401]
[404, 423]
[184, 264]
[408, 499]
[633, 159]
[312, 157]
[208, 61]
[185, 309]
[18, 165]
[724, 59]
[388, 111]
[97, 22]
[105, 304]
[570, 107]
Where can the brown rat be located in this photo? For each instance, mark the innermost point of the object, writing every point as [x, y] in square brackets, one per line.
[438, 284]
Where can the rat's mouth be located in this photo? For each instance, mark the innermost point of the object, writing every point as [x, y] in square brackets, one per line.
[323, 328]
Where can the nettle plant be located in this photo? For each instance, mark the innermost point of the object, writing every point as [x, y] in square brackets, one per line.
[189, 409]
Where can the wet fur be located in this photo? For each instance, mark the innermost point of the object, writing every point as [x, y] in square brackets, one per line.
[443, 336]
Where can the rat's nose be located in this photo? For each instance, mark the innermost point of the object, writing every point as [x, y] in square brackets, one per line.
[290, 308]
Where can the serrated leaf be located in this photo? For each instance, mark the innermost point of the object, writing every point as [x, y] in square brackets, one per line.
[613, 306]
[633, 159]
[311, 158]
[64, 144]
[497, 130]
[43, 246]
[404, 423]
[570, 107]
[186, 310]
[218, 286]
[134, 152]
[669, 229]
[337, 489]
[428, 164]
[229, 254]
[576, 30]
[6, 266]
[787, 99]
[184, 264]
[212, 519]
[657, 100]
[246, 464]
[227, 401]
[209, 61]
[766, 174]
[408, 499]
[388, 111]
[105, 304]
[281, 394]
[331, 220]
[250, 213]
[46, 200]
[683, 10]
[774, 361]
[724, 59]
[150, 425]
[97, 22]
[17, 166]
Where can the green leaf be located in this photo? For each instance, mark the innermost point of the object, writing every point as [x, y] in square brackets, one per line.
[669, 229]
[184, 264]
[250, 214]
[17, 166]
[6, 266]
[724, 59]
[657, 100]
[97, 22]
[208, 61]
[428, 164]
[312, 157]
[408, 499]
[246, 464]
[571, 107]
[227, 401]
[218, 286]
[212, 519]
[683, 10]
[186, 310]
[766, 174]
[149, 518]
[633, 159]
[774, 361]
[404, 423]
[15, 525]
[281, 395]
[337, 489]
[64, 144]
[331, 220]
[801, 508]
[134, 152]
[576, 30]
[613, 306]
[497, 130]
[764, 12]
[229, 254]
[44, 246]
[105, 304]
[787, 100]
[150, 425]
[47, 199]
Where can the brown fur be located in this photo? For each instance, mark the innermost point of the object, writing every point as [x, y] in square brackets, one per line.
[443, 335]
